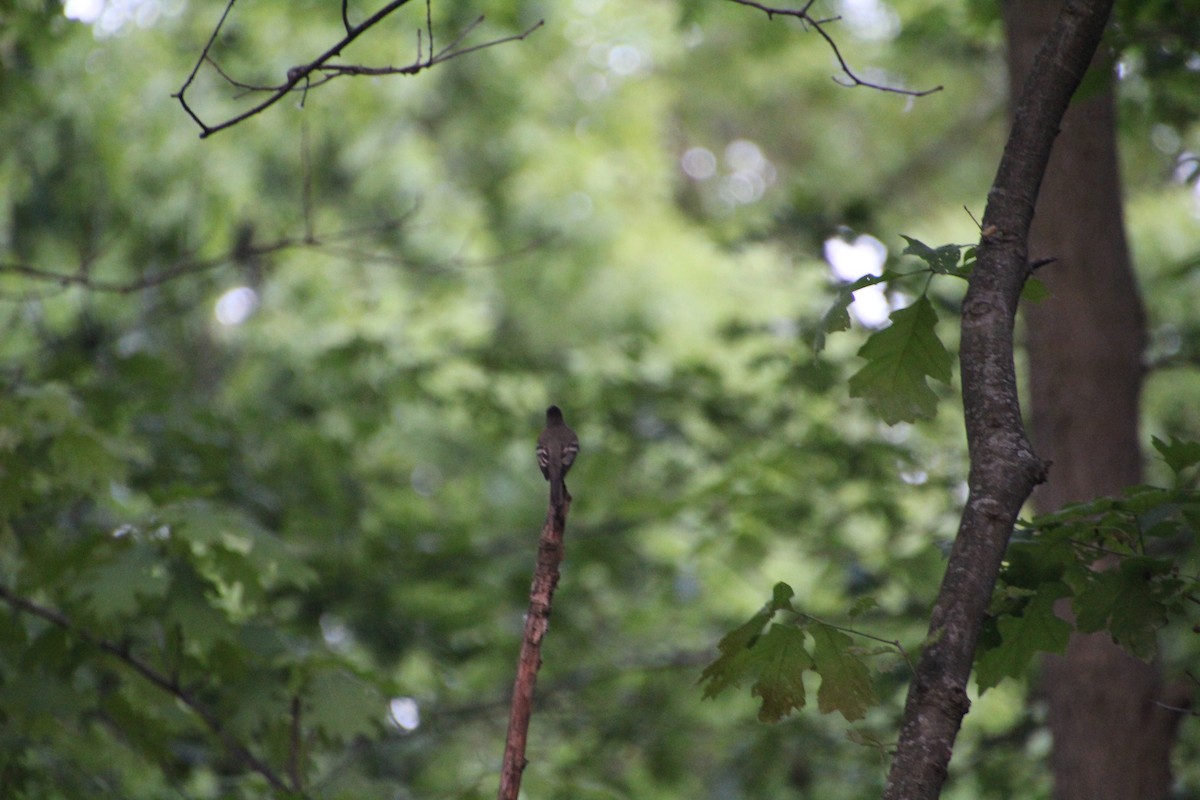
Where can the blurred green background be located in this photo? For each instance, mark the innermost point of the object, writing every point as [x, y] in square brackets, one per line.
[302, 470]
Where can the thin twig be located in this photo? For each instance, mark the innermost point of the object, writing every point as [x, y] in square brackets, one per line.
[853, 632]
[818, 25]
[1177, 709]
[199, 62]
[428, 27]
[83, 278]
[338, 70]
[1100, 548]
[294, 75]
[305, 77]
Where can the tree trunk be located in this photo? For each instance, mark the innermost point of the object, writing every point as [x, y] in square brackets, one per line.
[1004, 468]
[1085, 360]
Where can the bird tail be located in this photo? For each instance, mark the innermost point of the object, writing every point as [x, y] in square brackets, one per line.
[556, 488]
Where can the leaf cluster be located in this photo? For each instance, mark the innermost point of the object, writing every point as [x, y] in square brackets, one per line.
[775, 656]
[1114, 562]
[291, 520]
[162, 620]
[904, 356]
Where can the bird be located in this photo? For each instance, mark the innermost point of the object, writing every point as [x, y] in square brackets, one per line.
[557, 446]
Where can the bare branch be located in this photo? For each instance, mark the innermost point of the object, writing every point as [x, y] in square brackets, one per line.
[818, 25]
[167, 684]
[332, 71]
[83, 279]
[537, 622]
[321, 70]
[189, 266]
[339, 245]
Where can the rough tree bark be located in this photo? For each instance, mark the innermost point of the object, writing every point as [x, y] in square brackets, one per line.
[1085, 359]
[1004, 468]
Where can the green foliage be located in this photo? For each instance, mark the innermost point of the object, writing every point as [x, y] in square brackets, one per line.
[845, 680]
[294, 519]
[1158, 40]
[837, 318]
[1028, 626]
[1179, 455]
[900, 359]
[1112, 558]
[343, 706]
[777, 659]
[944, 260]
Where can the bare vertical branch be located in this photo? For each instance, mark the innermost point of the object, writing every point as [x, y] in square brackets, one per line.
[537, 620]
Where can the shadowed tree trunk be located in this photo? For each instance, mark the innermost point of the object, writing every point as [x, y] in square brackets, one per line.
[1004, 468]
[1085, 346]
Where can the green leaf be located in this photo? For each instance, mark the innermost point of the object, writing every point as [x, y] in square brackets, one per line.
[734, 662]
[781, 597]
[1034, 291]
[780, 659]
[837, 318]
[845, 679]
[862, 605]
[115, 587]
[1030, 564]
[256, 702]
[899, 360]
[1075, 513]
[228, 546]
[82, 458]
[1036, 629]
[38, 696]
[1130, 602]
[943, 260]
[343, 706]
[189, 612]
[1178, 454]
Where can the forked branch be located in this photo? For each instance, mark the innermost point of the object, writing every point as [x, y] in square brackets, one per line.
[323, 68]
[803, 14]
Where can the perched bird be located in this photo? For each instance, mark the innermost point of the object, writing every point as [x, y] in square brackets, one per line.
[557, 446]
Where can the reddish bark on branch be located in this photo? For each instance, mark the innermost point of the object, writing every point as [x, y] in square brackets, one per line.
[537, 620]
